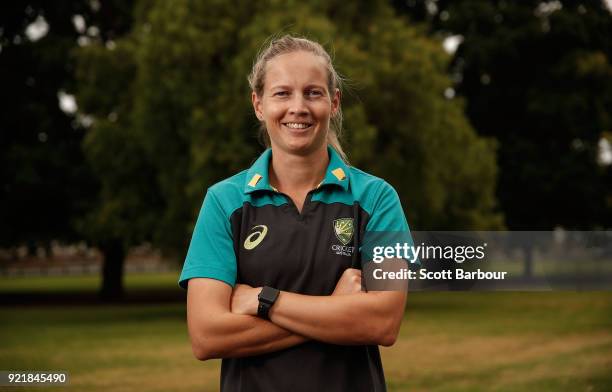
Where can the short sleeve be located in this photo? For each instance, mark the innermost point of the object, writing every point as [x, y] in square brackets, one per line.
[387, 213]
[211, 251]
[387, 226]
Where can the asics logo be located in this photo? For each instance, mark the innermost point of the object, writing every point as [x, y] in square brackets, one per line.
[256, 237]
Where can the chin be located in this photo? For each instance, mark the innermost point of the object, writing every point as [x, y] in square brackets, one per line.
[304, 147]
[299, 149]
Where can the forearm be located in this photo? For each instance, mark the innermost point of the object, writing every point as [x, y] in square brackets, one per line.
[360, 318]
[216, 332]
[232, 335]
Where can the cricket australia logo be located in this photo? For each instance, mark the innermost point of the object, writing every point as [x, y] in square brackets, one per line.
[343, 228]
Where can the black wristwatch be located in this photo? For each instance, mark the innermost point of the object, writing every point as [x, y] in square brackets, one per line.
[267, 296]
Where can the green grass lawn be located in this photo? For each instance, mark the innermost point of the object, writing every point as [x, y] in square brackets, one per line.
[88, 283]
[451, 341]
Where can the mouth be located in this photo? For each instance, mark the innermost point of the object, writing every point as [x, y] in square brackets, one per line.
[297, 126]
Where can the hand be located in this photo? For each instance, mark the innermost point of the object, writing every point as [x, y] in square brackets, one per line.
[349, 282]
[244, 299]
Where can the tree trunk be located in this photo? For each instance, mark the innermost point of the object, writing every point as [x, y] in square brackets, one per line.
[32, 248]
[48, 250]
[112, 270]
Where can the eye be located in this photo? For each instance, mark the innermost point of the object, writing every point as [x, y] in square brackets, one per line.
[314, 93]
[281, 93]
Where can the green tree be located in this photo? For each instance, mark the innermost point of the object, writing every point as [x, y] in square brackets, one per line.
[537, 76]
[172, 114]
[46, 184]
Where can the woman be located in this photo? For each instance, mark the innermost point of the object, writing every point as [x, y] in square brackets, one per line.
[273, 269]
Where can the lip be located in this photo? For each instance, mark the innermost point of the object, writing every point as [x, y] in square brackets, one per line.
[296, 130]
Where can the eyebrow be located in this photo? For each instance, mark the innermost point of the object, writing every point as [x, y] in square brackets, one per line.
[282, 86]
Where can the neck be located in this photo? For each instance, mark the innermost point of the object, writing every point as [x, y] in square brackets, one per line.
[296, 172]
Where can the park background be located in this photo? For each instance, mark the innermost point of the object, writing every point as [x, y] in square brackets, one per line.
[116, 116]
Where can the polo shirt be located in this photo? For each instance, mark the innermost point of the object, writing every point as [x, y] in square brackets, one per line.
[248, 232]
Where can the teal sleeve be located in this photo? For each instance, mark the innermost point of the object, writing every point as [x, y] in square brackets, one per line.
[387, 213]
[387, 225]
[211, 251]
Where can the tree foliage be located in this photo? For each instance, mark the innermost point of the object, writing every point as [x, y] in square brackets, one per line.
[537, 76]
[172, 113]
[43, 190]
[47, 185]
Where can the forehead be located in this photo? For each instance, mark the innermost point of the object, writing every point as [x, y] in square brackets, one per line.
[295, 69]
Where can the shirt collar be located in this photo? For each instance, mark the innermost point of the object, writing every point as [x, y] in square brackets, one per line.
[337, 170]
[257, 175]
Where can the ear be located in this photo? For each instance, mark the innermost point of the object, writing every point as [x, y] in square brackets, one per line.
[257, 106]
[335, 102]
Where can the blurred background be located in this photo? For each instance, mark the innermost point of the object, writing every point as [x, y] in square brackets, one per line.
[116, 116]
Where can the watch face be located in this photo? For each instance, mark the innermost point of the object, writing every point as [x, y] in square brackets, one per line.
[268, 294]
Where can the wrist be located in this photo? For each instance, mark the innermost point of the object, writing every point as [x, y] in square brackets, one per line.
[253, 304]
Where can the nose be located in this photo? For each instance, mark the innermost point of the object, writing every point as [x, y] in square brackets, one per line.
[298, 105]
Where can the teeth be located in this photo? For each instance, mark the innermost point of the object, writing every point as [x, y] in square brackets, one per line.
[297, 125]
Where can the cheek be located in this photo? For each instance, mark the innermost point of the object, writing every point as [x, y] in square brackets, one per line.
[273, 112]
[322, 111]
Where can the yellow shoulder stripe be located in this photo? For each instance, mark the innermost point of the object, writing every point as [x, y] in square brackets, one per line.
[339, 173]
[255, 180]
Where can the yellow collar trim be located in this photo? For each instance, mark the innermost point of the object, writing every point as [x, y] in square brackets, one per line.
[255, 180]
[339, 173]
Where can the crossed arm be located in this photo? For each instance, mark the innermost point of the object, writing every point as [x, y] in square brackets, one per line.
[222, 322]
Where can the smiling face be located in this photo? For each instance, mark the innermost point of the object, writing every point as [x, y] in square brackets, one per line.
[296, 104]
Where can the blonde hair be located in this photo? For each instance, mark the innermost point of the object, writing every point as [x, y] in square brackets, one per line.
[289, 44]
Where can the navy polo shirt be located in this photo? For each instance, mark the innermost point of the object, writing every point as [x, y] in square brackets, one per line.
[247, 232]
